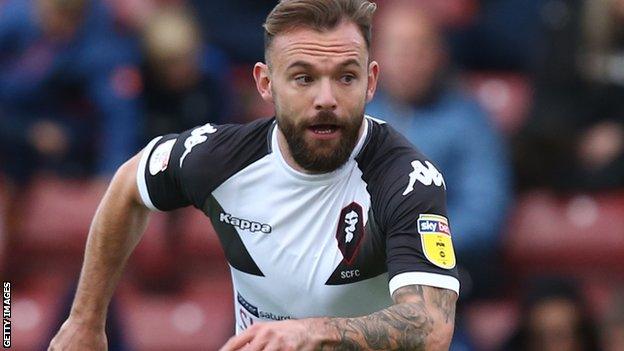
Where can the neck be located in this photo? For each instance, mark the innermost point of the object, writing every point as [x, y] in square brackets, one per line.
[285, 150]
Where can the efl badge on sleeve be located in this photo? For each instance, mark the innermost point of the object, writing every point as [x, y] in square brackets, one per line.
[435, 235]
[160, 157]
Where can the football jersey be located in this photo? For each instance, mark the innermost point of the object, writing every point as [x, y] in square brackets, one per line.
[308, 245]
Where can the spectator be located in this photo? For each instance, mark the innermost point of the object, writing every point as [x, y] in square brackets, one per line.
[503, 35]
[68, 88]
[185, 84]
[68, 96]
[574, 139]
[554, 318]
[418, 98]
[234, 24]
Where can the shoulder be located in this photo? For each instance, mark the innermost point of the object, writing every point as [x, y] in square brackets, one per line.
[187, 167]
[221, 145]
[387, 150]
[396, 172]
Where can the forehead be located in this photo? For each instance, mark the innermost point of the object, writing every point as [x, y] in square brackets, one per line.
[344, 42]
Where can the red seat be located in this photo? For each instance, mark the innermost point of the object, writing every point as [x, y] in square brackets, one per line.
[202, 240]
[57, 215]
[201, 317]
[578, 234]
[36, 308]
[175, 245]
[506, 96]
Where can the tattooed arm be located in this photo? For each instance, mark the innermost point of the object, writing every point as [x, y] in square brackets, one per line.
[422, 318]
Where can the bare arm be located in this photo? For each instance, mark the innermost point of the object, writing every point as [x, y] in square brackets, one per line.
[116, 229]
[422, 318]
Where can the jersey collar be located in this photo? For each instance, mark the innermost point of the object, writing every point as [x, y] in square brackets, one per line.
[324, 177]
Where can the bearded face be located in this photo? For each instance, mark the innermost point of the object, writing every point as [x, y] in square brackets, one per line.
[315, 153]
[319, 82]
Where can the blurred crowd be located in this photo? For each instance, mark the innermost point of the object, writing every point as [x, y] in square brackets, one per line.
[84, 84]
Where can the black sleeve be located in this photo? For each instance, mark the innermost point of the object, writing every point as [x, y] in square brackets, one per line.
[418, 235]
[179, 170]
[160, 173]
[408, 196]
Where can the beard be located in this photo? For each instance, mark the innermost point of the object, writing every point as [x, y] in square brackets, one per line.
[321, 156]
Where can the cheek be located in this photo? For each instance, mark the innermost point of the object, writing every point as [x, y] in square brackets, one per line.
[355, 98]
[287, 106]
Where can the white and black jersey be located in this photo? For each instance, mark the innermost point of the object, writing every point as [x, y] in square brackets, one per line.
[302, 245]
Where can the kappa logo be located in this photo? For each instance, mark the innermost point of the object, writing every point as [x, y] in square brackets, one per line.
[350, 231]
[198, 136]
[427, 175]
[245, 224]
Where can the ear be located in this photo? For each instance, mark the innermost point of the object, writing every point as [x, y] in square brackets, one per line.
[373, 75]
[263, 81]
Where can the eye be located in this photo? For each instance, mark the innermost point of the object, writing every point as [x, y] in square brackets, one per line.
[303, 79]
[347, 78]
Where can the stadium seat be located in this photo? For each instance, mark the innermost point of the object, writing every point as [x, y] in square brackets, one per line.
[175, 245]
[36, 308]
[579, 234]
[202, 240]
[506, 96]
[201, 317]
[56, 216]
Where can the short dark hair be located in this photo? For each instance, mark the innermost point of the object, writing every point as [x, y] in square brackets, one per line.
[318, 15]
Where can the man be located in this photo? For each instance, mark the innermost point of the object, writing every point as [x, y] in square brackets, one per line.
[316, 209]
[69, 96]
[184, 78]
[417, 97]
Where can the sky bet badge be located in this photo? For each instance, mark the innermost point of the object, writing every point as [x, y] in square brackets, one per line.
[435, 235]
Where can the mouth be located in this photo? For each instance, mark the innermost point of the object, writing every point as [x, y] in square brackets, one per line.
[324, 130]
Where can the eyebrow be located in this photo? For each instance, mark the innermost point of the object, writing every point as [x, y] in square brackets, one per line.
[301, 64]
[350, 62]
[307, 65]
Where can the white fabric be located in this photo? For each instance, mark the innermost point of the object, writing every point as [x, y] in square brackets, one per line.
[424, 278]
[141, 174]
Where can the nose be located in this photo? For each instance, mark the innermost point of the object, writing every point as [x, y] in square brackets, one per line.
[325, 98]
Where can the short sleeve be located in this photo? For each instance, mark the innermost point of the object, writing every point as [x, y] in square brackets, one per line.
[418, 233]
[179, 170]
[408, 199]
[158, 177]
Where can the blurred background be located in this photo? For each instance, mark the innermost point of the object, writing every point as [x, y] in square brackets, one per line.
[519, 102]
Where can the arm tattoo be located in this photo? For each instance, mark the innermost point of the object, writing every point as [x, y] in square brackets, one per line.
[444, 300]
[403, 326]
